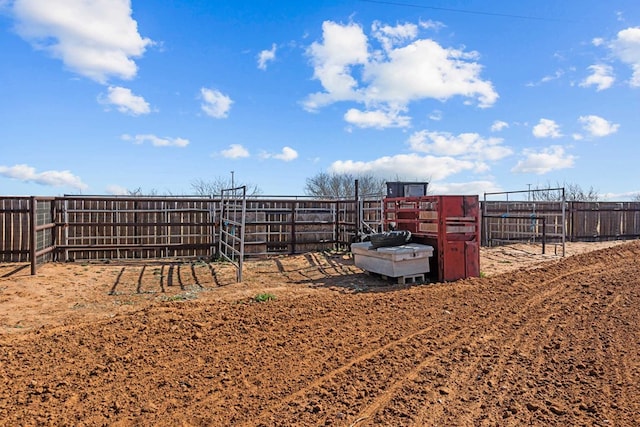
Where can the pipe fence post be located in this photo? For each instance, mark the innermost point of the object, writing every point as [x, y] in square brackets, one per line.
[33, 222]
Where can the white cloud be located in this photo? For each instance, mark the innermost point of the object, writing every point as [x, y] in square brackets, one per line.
[597, 126]
[627, 48]
[435, 115]
[411, 166]
[156, 141]
[547, 160]
[547, 129]
[431, 25]
[343, 46]
[547, 78]
[628, 195]
[117, 190]
[552, 77]
[472, 187]
[601, 76]
[389, 36]
[597, 41]
[215, 103]
[235, 151]
[405, 69]
[125, 101]
[465, 145]
[378, 119]
[436, 156]
[266, 56]
[499, 125]
[96, 39]
[286, 155]
[51, 178]
[424, 69]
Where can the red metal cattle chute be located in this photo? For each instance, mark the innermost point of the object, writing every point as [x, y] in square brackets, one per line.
[450, 224]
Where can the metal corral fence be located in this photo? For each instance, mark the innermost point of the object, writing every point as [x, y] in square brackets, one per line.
[41, 229]
[27, 229]
[99, 227]
[510, 222]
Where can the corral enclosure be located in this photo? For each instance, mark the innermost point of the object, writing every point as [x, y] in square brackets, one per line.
[84, 228]
[75, 227]
[177, 342]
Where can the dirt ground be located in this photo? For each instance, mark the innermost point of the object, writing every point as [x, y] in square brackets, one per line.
[312, 340]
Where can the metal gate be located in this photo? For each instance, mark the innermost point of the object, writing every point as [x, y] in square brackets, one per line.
[520, 216]
[370, 214]
[233, 208]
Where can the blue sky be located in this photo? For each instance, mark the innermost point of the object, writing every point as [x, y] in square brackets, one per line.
[106, 96]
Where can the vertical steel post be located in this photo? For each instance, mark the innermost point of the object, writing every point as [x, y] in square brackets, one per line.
[242, 230]
[356, 205]
[544, 233]
[294, 205]
[564, 222]
[33, 222]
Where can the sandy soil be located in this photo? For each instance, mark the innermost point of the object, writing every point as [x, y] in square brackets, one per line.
[538, 340]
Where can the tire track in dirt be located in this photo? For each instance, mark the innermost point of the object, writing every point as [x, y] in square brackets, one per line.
[385, 353]
[552, 294]
[615, 348]
[421, 355]
[463, 345]
[536, 331]
[316, 383]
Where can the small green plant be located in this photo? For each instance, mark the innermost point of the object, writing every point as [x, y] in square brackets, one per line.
[483, 274]
[176, 298]
[264, 297]
[188, 295]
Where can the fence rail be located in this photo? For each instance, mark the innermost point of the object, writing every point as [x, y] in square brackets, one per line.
[40, 229]
[93, 227]
[583, 221]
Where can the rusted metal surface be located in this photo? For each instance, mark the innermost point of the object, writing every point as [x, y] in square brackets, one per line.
[451, 224]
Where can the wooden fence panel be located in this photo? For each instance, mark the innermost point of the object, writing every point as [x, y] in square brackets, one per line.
[593, 221]
[631, 220]
[130, 227]
[14, 229]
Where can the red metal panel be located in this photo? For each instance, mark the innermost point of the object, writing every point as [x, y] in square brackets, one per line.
[451, 206]
[453, 261]
[472, 258]
[451, 224]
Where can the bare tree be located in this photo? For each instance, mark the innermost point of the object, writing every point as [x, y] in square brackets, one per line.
[342, 185]
[214, 187]
[138, 192]
[572, 193]
[636, 198]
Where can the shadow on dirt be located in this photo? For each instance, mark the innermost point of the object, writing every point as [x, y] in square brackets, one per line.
[15, 271]
[162, 276]
[363, 282]
[338, 272]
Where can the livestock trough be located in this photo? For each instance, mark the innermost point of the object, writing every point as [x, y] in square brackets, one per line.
[404, 261]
